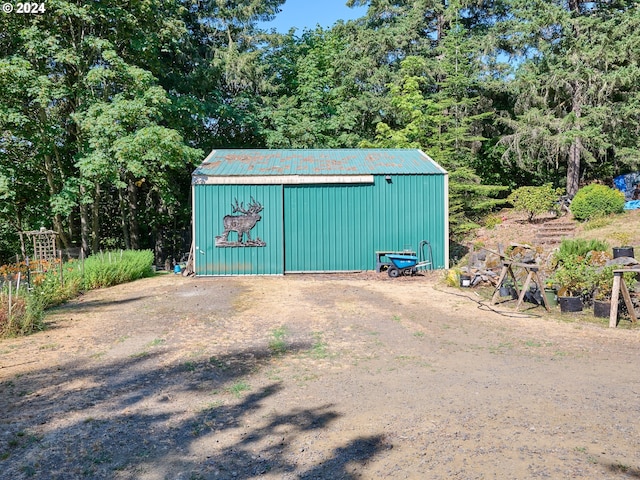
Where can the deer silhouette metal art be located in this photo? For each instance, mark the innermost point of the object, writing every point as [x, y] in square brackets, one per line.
[242, 225]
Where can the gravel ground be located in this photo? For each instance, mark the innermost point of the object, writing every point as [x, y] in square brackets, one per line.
[317, 377]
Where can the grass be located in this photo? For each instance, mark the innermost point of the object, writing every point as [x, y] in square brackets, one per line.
[609, 228]
[319, 347]
[238, 388]
[278, 344]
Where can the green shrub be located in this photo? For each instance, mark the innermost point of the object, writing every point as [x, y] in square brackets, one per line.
[595, 201]
[535, 200]
[578, 247]
[492, 220]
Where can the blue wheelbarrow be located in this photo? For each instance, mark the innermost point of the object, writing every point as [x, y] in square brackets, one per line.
[403, 264]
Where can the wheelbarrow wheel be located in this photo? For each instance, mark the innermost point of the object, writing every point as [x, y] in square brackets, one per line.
[393, 272]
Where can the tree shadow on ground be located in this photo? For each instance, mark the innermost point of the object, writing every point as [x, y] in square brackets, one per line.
[146, 417]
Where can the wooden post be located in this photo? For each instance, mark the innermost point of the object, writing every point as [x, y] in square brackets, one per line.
[61, 277]
[10, 285]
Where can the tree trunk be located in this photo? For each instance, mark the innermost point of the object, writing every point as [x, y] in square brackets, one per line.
[95, 220]
[575, 150]
[123, 220]
[134, 226]
[84, 222]
[573, 167]
[58, 224]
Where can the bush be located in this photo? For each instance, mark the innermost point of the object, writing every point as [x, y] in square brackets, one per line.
[535, 200]
[595, 201]
[578, 247]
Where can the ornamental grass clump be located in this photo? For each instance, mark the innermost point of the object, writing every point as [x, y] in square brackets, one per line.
[106, 269]
[19, 315]
[22, 313]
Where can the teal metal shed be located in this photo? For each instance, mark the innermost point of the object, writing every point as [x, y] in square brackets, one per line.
[271, 212]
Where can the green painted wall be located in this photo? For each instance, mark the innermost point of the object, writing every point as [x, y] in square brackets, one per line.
[322, 227]
[210, 204]
[340, 227]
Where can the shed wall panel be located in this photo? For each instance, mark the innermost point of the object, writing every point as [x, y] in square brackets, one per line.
[211, 204]
[338, 228]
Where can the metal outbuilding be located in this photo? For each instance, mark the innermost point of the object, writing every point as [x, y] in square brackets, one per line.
[271, 212]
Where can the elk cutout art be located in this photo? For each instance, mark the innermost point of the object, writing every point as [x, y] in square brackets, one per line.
[242, 225]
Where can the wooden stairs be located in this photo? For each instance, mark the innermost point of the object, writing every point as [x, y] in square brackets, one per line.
[552, 233]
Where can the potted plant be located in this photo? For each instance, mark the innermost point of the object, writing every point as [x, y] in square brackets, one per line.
[624, 250]
[603, 286]
[575, 278]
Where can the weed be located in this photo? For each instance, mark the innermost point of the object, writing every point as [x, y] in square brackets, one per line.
[278, 345]
[319, 347]
[418, 334]
[156, 342]
[190, 366]
[218, 363]
[396, 318]
[237, 388]
[142, 354]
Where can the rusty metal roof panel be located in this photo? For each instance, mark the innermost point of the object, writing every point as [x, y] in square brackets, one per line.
[248, 162]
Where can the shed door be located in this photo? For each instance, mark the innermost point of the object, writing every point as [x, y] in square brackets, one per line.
[259, 251]
[323, 230]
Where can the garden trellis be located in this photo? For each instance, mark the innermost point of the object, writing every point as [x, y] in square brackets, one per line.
[44, 245]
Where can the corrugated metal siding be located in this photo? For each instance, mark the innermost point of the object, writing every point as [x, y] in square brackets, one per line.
[311, 162]
[211, 204]
[337, 227]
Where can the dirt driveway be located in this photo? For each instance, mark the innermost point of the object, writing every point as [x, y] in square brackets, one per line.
[316, 377]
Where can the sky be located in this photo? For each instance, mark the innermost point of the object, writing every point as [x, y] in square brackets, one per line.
[303, 14]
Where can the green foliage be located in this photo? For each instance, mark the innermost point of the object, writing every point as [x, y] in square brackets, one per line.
[597, 200]
[575, 277]
[603, 282]
[535, 200]
[492, 220]
[114, 267]
[24, 316]
[570, 248]
[97, 271]
[580, 266]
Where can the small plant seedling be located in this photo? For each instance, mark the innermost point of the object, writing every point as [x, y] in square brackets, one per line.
[278, 345]
[237, 388]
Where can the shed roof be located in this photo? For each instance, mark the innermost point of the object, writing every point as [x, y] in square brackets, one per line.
[311, 162]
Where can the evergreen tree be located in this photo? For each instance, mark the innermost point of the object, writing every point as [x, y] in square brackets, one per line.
[579, 71]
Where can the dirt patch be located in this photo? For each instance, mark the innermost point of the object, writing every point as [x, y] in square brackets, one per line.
[316, 377]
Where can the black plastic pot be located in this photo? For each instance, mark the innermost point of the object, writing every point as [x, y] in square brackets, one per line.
[601, 308]
[623, 252]
[570, 304]
[465, 280]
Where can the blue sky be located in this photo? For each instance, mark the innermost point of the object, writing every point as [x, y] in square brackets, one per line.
[303, 14]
